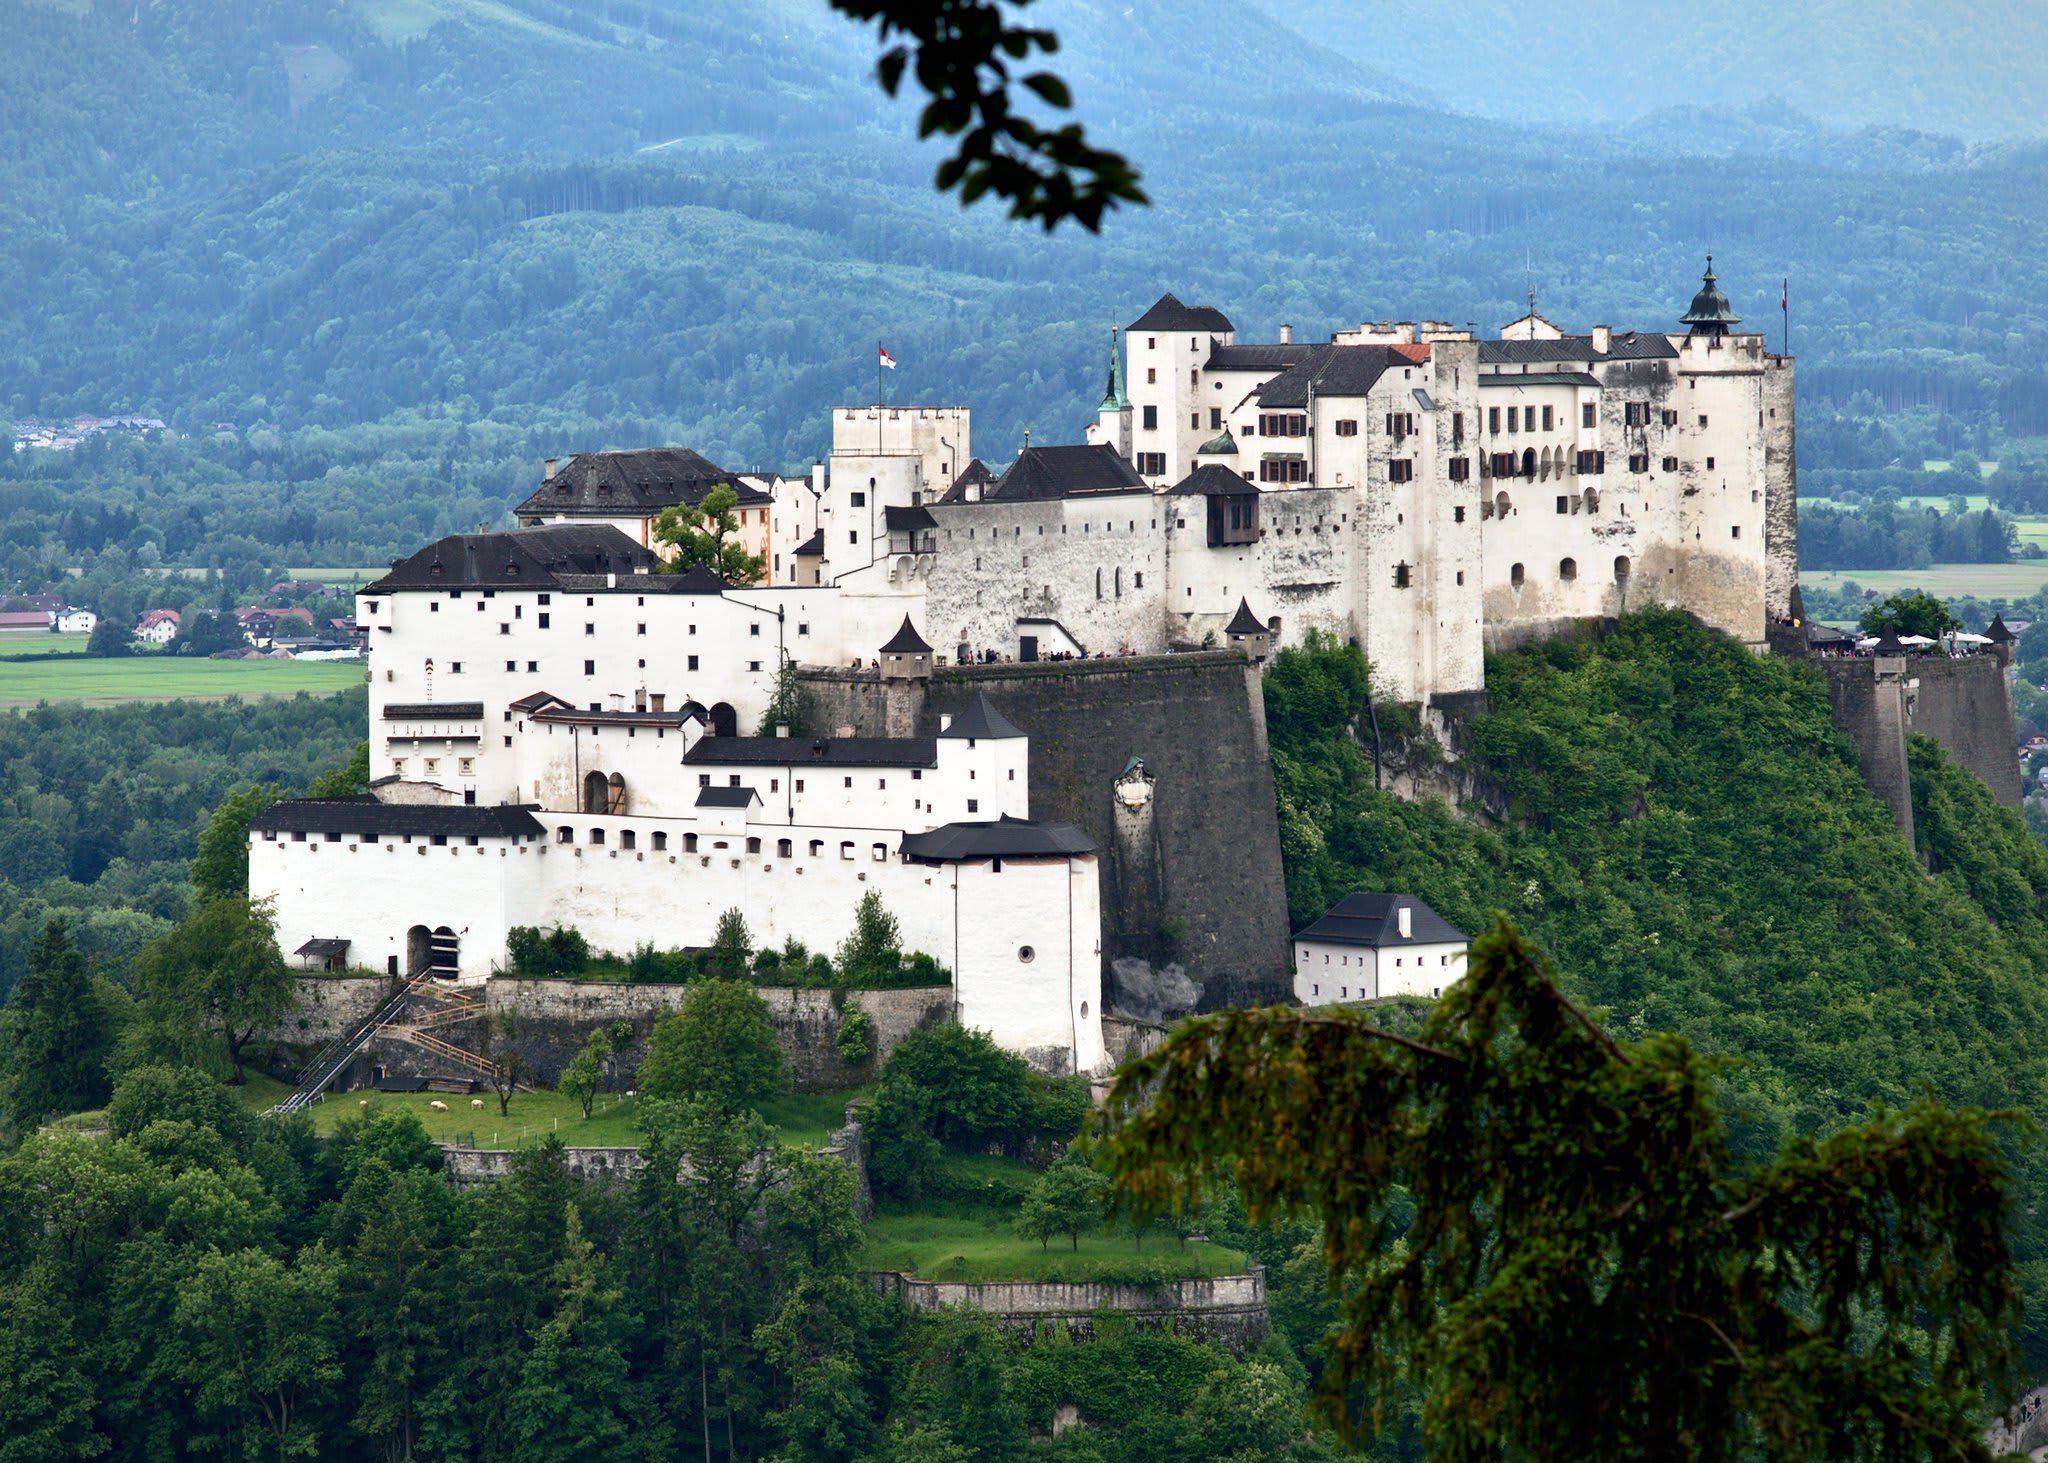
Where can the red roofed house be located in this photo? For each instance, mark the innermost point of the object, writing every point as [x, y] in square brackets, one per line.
[158, 627]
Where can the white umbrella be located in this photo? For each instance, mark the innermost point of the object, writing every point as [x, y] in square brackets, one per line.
[1964, 637]
[1914, 640]
[1867, 642]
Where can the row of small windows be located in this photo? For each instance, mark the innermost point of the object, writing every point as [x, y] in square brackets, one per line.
[658, 842]
[1568, 571]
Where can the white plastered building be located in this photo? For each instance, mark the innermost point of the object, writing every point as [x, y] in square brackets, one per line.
[1369, 947]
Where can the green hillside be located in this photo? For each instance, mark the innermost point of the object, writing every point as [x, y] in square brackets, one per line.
[1689, 839]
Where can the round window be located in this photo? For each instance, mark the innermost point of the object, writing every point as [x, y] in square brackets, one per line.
[1084, 1010]
[1025, 953]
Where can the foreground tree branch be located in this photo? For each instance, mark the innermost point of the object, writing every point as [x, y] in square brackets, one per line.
[1548, 1234]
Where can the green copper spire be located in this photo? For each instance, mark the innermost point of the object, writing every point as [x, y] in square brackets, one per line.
[1115, 398]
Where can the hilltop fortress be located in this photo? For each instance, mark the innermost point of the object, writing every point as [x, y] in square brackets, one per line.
[562, 732]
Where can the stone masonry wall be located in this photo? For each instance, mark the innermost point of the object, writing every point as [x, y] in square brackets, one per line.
[1965, 705]
[1199, 723]
[327, 1006]
[1228, 1309]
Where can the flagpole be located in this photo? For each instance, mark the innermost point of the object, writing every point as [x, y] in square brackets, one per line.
[1785, 310]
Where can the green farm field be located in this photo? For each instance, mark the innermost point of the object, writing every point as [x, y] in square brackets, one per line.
[2017, 580]
[14, 647]
[166, 678]
[986, 1246]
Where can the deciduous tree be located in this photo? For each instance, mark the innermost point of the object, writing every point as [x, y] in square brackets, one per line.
[718, 1045]
[708, 535]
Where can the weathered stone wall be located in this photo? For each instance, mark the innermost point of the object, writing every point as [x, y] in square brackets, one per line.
[555, 1017]
[1228, 1309]
[1965, 705]
[468, 1167]
[1199, 723]
[327, 1006]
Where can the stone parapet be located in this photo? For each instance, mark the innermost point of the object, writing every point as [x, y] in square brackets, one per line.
[1228, 1309]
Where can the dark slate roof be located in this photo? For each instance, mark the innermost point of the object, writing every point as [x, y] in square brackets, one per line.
[1997, 632]
[1171, 314]
[906, 641]
[1041, 473]
[529, 558]
[1819, 634]
[1213, 480]
[569, 715]
[624, 484]
[975, 474]
[727, 797]
[1245, 622]
[1542, 378]
[1622, 345]
[798, 751]
[1004, 838]
[814, 546]
[1332, 370]
[1889, 643]
[1256, 357]
[367, 815]
[695, 580]
[1368, 919]
[434, 711]
[536, 700]
[908, 520]
[979, 720]
[322, 949]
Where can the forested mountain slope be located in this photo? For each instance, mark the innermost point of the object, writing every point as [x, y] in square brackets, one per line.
[407, 248]
[1691, 842]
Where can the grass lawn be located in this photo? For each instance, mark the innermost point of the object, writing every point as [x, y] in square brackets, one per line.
[534, 1117]
[1946, 581]
[337, 576]
[807, 1119]
[167, 678]
[987, 1247]
[40, 643]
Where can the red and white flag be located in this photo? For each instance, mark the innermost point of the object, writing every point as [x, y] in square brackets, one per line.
[887, 359]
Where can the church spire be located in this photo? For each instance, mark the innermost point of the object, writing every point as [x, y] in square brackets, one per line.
[1114, 398]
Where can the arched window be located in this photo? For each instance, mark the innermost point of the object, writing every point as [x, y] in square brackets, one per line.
[1621, 567]
[725, 722]
[1568, 570]
[784, 848]
[597, 838]
[596, 793]
[1500, 505]
[661, 843]
[1119, 583]
[1515, 576]
[1592, 500]
[689, 843]
[753, 845]
[1528, 462]
[627, 838]
[565, 835]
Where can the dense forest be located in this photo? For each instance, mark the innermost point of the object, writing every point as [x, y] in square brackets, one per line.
[372, 262]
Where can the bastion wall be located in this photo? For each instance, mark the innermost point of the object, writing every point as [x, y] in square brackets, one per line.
[1964, 704]
[1194, 909]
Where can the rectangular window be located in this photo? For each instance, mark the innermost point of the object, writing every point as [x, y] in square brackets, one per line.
[1514, 418]
[1493, 420]
[1635, 414]
[974, 805]
[1547, 422]
[589, 667]
[1461, 469]
[858, 500]
[1588, 415]
[1151, 375]
[1503, 464]
[1703, 419]
[1710, 464]
[1151, 422]
[454, 667]
[754, 665]
[504, 628]
[1283, 470]
[1401, 576]
[1639, 462]
[588, 628]
[1457, 427]
[1151, 464]
[1215, 418]
[641, 630]
[1346, 427]
[543, 622]
[693, 662]
[1671, 464]
[1458, 516]
[1564, 504]
[1401, 470]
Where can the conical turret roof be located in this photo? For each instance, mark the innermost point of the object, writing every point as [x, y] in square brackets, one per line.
[906, 641]
[1711, 314]
[1244, 622]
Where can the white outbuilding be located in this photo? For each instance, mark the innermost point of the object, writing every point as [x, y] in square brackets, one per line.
[1370, 946]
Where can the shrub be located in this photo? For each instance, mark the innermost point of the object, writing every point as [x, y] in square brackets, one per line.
[718, 1045]
[853, 1037]
[558, 952]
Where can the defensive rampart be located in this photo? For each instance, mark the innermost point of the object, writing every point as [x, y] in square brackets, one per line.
[1194, 910]
[1227, 1309]
[1963, 704]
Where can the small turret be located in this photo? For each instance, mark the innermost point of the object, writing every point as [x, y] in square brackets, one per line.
[1114, 397]
[1246, 631]
[906, 657]
[1711, 314]
[2001, 639]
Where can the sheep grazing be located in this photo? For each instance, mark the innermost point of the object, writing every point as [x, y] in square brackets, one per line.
[362, 1102]
[438, 1106]
[477, 1103]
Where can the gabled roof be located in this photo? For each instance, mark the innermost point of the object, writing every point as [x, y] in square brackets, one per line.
[1542, 378]
[530, 558]
[812, 547]
[1004, 838]
[727, 797]
[1171, 314]
[1333, 370]
[908, 520]
[797, 751]
[981, 719]
[974, 475]
[569, 716]
[1042, 473]
[1244, 622]
[1370, 920]
[643, 483]
[1213, 480]
[906, 641]
[365, 814]
[535, 700]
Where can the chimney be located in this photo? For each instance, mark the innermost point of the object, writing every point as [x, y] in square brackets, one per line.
[1602, 335]
[945, 722]
[1287, 335]
[618, 700]
[640, 698]
[660, 701]
[611, 581]
[782, 728]
[1401, 922]
[547, 469]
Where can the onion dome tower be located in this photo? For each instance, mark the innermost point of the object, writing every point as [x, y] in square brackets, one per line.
[1711, 314]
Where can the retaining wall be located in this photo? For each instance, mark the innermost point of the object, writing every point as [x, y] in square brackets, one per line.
[1965, 705]
[1228, 1309]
